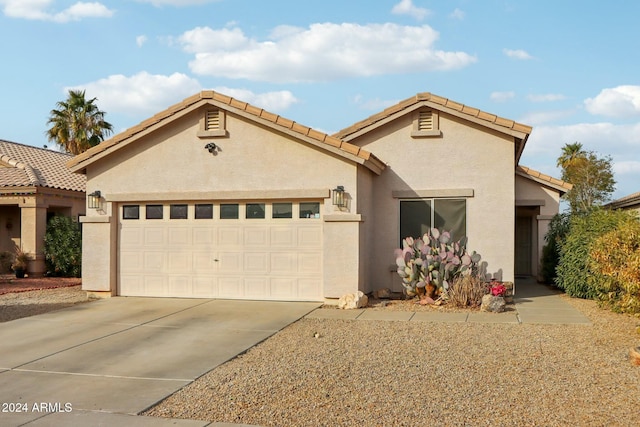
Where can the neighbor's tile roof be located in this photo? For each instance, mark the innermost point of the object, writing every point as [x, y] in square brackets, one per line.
[627, 201]
[232, 104]
[26, 166]
[446, 104]
[545, 179]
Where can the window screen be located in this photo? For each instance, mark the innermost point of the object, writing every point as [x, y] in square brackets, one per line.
[415, 218]
[451, 215]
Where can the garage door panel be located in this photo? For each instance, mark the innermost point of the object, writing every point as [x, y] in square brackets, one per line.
[132, 237]
[309, 288]
[284, 263]
[204, 262]
[309, 237]
[230, 287]
[179, 262]
[179, 236]
[203, 236]
[154, 236]
[256, 287]
[229, 236]
[256, 237]
[179, 286]
[205, 287]
[309, 263]
[282, 287]
[256, 262]
[153, 261]
[131, 261]
[283, 236]
[230, 262]
[272, 259]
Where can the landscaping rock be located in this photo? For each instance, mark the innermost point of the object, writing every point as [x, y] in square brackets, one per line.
[351, 301]
[492, 304]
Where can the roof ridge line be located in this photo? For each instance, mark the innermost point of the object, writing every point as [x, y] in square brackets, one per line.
[25, 167]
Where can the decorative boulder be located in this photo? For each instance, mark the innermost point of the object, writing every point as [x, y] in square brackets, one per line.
[351, 301]
[492, 304]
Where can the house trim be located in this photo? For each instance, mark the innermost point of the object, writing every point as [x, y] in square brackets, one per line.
[319, 193]
[438, 193]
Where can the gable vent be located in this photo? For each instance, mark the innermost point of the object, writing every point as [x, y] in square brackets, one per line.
[212, 120]
[425, 121]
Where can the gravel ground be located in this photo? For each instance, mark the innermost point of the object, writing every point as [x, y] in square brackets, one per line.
[375, 373]
[16, 305]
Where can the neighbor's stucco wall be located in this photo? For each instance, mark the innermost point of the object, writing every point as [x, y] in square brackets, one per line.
[251, 158]
[466, 156]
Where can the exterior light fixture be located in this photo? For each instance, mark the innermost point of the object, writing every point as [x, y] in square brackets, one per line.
[93, 199]
[338, 197]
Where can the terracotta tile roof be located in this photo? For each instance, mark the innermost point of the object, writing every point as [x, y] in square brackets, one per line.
[27, 166]
[79, 162]
[443, 104]
[632, 200]
[558, 184]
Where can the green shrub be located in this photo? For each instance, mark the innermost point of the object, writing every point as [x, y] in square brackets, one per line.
[614, 261]
[572, 272]
[558, 229]
[6, 259]
[63, 247]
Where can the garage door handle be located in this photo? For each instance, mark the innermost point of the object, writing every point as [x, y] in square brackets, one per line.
[215, 259]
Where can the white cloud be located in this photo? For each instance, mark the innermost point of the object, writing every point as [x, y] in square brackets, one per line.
[502, 96]
[620, 101]
[270, 101]
[457, 14]
[144, 94]
[41, 10]
[548, 97]
[322, 52]
[627, 167]
[542, 117]
[139, 94]
[517, 54]
[406, 7]
[141, 40]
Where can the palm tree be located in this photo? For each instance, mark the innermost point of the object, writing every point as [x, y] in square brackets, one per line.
[572, 154]
[77, 124]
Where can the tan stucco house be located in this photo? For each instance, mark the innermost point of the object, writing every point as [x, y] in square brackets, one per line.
[629, 202]
[214, 197]
[35, 184]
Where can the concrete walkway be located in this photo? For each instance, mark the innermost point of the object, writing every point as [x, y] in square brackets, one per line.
[533, 303]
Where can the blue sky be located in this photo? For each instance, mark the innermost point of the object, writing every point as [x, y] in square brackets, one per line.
[569, 69]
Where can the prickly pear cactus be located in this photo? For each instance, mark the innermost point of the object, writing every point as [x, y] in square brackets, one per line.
[433, 260]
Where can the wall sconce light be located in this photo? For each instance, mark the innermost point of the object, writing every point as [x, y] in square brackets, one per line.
[94, 199]
[338, 197]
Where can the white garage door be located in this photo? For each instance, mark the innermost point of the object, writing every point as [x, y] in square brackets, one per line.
[263, 251]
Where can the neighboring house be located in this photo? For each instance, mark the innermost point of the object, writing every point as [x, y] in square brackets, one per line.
[35, 184]
[214, 197]
[630, 202]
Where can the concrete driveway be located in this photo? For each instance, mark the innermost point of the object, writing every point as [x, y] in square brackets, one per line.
[92, 364]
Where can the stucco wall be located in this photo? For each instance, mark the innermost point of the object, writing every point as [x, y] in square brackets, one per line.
[251, 159]
[467, 156]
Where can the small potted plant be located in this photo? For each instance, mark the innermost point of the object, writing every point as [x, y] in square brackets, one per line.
[20, 263]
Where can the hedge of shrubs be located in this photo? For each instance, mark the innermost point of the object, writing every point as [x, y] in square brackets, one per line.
[596, 255]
